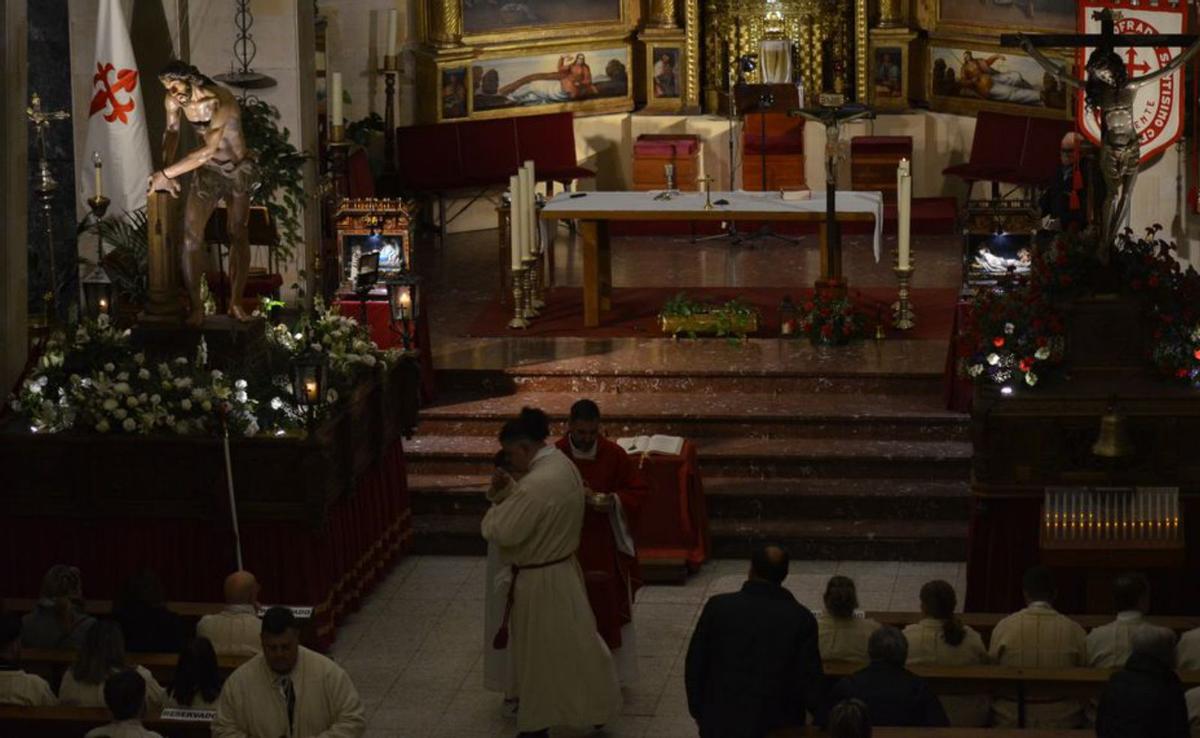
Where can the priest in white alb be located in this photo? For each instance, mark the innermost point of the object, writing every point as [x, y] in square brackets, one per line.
[564, 671]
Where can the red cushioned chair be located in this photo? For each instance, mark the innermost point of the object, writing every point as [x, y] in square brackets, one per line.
[997, 137]
[428, 158]
[549, 140]
[1040, 155]
[489, 152]
[772, 152]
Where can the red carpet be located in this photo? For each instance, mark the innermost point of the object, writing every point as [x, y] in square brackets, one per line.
[635, 311]
[931, 216]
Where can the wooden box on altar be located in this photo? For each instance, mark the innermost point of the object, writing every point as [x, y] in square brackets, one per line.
[653, 152]
[1034, 438]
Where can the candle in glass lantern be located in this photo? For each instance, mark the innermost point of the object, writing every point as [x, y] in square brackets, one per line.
[391, 32]
[310, 390]
[97, 165]
[103, 305]
[405, 305]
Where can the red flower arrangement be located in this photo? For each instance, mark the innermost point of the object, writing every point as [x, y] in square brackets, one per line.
[830, 320]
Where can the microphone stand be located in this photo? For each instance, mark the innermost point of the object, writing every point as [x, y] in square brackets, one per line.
[729, 229]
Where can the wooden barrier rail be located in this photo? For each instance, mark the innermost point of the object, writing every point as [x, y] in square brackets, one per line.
[52, 664]
[72, 722]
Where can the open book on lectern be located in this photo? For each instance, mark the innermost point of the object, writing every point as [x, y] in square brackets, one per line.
[656, 444]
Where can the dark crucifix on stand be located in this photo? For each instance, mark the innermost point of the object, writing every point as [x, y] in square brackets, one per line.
[832, 113]
[1110, 89]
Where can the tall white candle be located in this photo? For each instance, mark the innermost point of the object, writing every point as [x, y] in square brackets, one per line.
[531, 191]
[335, 100]
[97, 163]
[904, 212]
[391, 32]
[527, 207]
[516, 224]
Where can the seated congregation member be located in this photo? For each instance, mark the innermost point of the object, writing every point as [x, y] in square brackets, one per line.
[564, 671]
[849, 719]
[1145, 699]
[102, 655]
[893, 695]
[58, 619]
[752, 664]
[125, 697]
[146, 623]
[288, 690]
[940, 638]
[1109, 645]
[614, 492]
[1193, 707]
[16, 686]
[235, 630]
[1038, 636]
[197, 681]
[843, 630]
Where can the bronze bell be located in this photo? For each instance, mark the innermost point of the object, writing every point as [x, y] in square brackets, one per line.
[1113, 442]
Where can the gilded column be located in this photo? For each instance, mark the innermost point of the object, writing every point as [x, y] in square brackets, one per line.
[445, 23]
[663, 13]
[691, 22]
[890, 15]
[861, 45]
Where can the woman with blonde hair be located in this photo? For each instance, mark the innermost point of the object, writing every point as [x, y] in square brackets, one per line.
[941, 638]
[102, 655]
[843, 632]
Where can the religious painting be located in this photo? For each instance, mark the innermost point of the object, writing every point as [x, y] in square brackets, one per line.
[482, 17]
[966, 78]
[992, 17]
[889, 76]
[569, 79]
[665, 71]
[454, 93]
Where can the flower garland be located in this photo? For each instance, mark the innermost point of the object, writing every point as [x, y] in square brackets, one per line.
[830, 320]
[90, 378]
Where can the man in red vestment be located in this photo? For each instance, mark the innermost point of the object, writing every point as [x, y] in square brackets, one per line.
[615, 493]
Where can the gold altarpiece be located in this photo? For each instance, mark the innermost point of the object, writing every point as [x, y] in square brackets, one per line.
[735, 28]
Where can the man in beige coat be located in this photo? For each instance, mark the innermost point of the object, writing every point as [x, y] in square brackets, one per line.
[1038, 636]
[235, 630]
[564, 672]
[1109, 645]
[16, 686]
[288, 690]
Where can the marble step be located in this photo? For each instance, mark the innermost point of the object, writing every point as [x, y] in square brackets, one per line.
[799, 380]
[756, 415]
[743, 457]
[733, 497]
[869, 540]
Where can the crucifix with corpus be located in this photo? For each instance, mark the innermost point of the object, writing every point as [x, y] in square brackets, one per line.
[1110, 89]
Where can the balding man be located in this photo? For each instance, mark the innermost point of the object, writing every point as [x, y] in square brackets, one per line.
[753, 666]
[235, 630]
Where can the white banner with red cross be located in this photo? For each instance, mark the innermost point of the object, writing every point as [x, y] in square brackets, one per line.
[1158, 107]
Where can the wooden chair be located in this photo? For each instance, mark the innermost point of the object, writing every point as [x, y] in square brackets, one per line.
[772, 143]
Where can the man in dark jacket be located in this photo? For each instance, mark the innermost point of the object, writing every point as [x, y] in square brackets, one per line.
[1145, 699]
[894, 695]
[753, 665]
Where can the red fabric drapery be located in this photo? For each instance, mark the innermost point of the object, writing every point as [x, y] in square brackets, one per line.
[329, 568]
[674, 520]
[379, 319]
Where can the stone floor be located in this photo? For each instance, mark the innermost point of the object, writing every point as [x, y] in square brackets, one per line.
[415, 648]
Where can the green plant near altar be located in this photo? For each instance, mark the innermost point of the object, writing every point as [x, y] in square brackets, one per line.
[90, 378]
[830, 320]
[126, 244]
[685, 315]
[280, 169]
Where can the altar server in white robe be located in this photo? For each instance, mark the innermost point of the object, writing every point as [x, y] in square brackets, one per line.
[288, 690]
[499, 673]
[564, 671]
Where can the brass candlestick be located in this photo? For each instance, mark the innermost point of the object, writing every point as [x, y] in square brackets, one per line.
[518, 289]
[903, 316]
[530, 264]
[390, 71]
[707, 181]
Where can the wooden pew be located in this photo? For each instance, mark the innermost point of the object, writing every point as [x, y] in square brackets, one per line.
[190, 612]
[73, 722]
[984, 622]
[52, 664]
[1023, 683]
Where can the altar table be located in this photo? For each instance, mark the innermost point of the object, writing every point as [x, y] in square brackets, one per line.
[673, 523]
[594, 211]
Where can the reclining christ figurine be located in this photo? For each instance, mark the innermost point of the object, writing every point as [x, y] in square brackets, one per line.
[222, 167]
[1110, 90]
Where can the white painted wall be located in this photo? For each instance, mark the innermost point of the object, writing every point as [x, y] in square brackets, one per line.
[355, 45]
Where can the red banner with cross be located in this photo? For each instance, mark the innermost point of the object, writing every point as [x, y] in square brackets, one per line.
[1159, 106]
